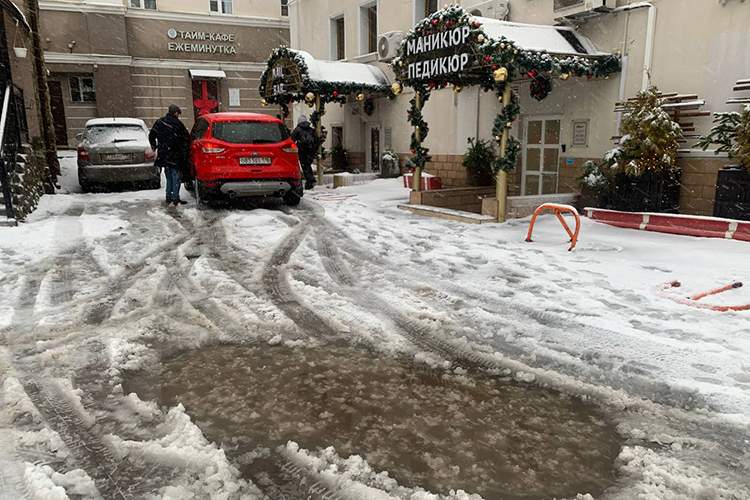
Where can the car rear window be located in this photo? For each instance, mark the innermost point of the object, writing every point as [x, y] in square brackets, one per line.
[101, 134]
[249, 132]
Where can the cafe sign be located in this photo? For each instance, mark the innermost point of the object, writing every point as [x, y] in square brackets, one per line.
[202, 42]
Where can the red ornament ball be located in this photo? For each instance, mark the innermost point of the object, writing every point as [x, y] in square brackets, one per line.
[532, 73]
[486, 58]
[434, 22]
[494, 67]
[476, 25]
[589, 76]
[413, 151]
[486, 90]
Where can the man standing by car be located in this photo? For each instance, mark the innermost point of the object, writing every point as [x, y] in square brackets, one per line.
[307, 147]
[171, 140]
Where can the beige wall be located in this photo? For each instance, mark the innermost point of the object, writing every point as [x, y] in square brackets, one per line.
[242, 8]
[23, 75]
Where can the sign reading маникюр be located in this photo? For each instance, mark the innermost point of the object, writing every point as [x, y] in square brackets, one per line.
[201, 36]
[440, 53]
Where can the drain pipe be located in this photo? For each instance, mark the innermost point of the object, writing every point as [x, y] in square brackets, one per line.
[650, 34]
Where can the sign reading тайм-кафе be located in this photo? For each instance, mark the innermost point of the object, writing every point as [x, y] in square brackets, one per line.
[442, 53]
[201, 42]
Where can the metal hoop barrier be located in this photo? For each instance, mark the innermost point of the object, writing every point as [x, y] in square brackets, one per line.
[693, 300]
[557, 210]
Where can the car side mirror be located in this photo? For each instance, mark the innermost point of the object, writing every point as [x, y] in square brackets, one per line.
[79, 136]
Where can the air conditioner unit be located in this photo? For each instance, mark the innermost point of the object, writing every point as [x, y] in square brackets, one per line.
[493, 9]
[581, 9]
[388, 45]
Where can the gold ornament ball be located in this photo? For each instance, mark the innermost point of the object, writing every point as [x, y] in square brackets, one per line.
[500, 99]
[497, 138]
[310, 104]
[360, 97]
[500, 74]
[263, 102]
[458, 88]
[515, 52]
[309, 97]
[480, 37]
[401, 63]
[502, 46]
[564, 76]
[509, 124]
[396, 88]
[441, 18]
[606, 77]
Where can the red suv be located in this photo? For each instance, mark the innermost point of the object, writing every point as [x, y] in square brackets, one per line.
[236, 155]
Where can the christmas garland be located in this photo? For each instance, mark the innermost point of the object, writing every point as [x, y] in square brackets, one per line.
[540, 86]
[369, 106]
[416, 119]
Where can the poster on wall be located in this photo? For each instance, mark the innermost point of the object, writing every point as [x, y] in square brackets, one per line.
[234, 98]
[580, 133]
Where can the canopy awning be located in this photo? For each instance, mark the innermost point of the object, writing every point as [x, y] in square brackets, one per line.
[343, 72]
[557, 40]
[207, 73]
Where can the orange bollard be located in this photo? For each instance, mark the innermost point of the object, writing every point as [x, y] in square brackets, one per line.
[557, 210]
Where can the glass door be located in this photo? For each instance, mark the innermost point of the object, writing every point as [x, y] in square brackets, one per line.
[541, 158]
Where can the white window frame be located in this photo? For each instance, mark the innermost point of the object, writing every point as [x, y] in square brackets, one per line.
[220, 10]
[142, 3]
[364, 26]
[80, 88]
[281, 9]
[333, 39]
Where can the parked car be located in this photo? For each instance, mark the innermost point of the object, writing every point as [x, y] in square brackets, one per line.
[236, 155]
[116, 150]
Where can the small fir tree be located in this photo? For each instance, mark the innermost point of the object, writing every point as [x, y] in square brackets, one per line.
[592, 177]
[480, 154]
[731, 133]
[649, 142]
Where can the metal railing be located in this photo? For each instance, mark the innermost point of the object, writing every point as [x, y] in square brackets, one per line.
[9, 146]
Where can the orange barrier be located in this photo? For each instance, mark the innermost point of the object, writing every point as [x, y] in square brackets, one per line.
[557, 210]
[693, 301]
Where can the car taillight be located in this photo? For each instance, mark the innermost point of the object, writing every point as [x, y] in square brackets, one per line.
[290, 149]
[83, 154]
[213, 149]
[150, 155]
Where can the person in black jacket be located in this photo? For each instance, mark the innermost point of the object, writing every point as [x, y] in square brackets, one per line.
[171, 140]
[307, 146]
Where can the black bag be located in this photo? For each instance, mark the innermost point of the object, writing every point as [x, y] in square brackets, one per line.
[307, 140]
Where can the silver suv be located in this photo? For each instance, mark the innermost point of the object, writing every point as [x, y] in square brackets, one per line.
[115, 150]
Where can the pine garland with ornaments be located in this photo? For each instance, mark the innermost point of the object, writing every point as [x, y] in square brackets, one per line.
[416, 119]
[494, 64]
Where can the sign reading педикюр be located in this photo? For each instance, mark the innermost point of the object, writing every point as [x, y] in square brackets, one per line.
[192, 39]
[441, 53]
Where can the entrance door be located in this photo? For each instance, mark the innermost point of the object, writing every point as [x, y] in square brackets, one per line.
[205, 97]
[58, 113]
[541, 158]
[373, 147]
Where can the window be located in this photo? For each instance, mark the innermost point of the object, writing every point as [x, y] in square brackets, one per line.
[368, 28]
[143, 4]
[109, 134]
[82, 88]
[338, 39]
[423, 9]
[200, 129]
[249, 132]
[284, 7]
[337, 136]
[221, 6]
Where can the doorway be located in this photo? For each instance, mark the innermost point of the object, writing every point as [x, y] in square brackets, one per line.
[205, 97]
[541, 155]
[373, 149]
[58, 112]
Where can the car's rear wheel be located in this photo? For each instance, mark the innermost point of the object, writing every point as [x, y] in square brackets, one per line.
[154, 184]
[294, 197]
[201, 201]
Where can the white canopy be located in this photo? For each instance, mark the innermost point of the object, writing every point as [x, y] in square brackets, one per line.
[343, 72]
[207, 73]
[557, 40]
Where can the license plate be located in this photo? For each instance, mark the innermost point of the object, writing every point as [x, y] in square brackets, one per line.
[258, 160]
[116, 157]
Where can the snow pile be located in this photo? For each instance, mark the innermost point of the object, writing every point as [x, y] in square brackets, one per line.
[354, 479]
[17, 402]
[180, 444]
[44, 483]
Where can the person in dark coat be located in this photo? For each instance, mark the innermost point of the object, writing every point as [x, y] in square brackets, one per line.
[171, 140]
[306, 139]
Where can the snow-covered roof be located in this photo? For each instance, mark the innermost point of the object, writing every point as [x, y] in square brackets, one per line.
[537, 37]
[116, 121]
[343, 72]
[16, 13]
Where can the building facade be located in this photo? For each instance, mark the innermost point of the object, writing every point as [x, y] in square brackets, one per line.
[133, 58]
[688, 47]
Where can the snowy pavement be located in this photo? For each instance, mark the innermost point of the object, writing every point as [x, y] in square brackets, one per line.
[100, 289]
